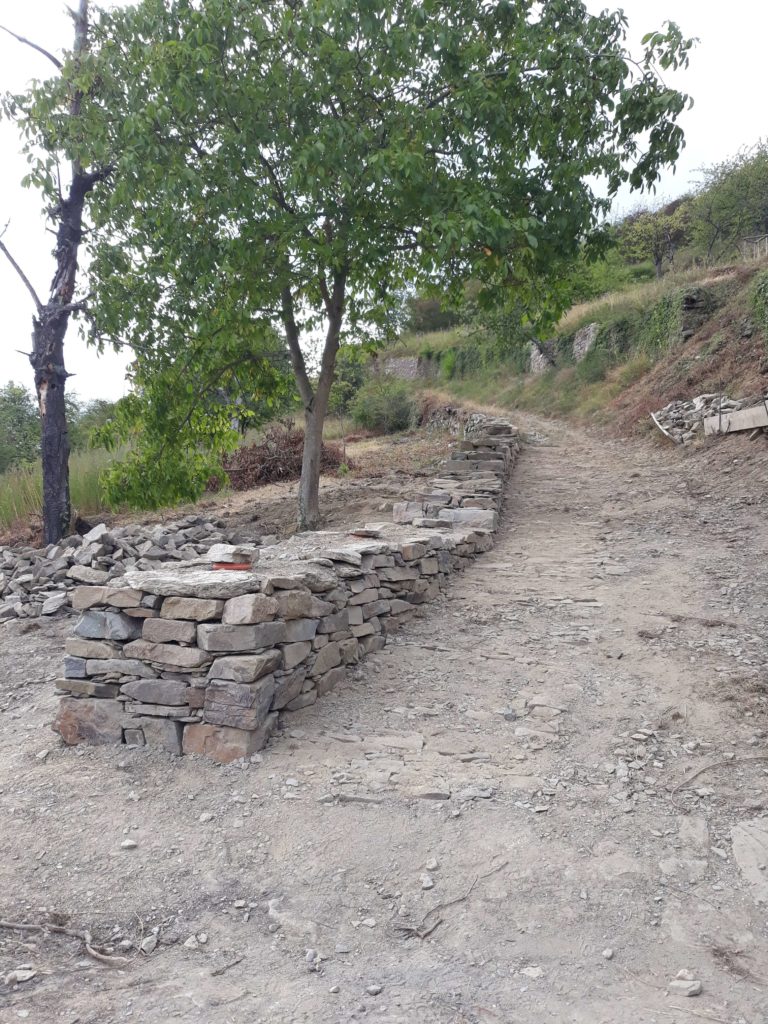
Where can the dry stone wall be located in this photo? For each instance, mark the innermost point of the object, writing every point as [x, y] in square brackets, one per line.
[196, 660]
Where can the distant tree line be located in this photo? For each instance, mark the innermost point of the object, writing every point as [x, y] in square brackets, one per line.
[20, 424]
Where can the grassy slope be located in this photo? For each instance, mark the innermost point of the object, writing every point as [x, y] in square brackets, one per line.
[619, 389]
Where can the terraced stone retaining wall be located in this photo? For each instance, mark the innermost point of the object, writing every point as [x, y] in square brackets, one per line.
[196, 660]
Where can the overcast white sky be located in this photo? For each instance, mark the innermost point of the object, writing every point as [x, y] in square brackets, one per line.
[726, 79]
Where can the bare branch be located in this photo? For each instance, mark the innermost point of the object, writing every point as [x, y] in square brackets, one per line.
[23, 276]
[54, 60]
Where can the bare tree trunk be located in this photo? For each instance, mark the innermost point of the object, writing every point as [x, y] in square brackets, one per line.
[52, 318]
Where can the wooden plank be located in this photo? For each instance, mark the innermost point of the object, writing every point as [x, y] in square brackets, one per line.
[744, 419]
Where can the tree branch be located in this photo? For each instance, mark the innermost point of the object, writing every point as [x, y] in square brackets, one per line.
[54, 60]
[23, 276]
[294, 349]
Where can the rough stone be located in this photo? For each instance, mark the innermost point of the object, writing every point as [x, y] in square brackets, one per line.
[162, 733]
[245, 668]
[328, 658]
[249, 609]
[84, 720]
[300, 629]
[330, 680]
[294, 654]
[167, 654]
[80, 648]
[163, 631]
[219, 637]
[294, 604]
[224, 744]
[172, 692]
[238, 705]
[196, 609]
[119, 667]
[93, 625]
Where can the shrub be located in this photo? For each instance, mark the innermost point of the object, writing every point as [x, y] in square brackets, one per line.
[384, 405]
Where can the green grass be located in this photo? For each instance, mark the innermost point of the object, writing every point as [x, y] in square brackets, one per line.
[427, 344]
[21, 488]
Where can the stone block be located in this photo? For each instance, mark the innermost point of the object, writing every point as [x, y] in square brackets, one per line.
[119, 667]
[349, 651]
[157, 710]
[85, 574]
[86, 720]
[333, 623]
[299, 629]
[74, 668]
[235, 639]
[304, 700]
[320, 641]
[249, 609]
[88, 688]
[172, 692]
[355, 615]
[412, 552]
[405, 511]
[294, 654]
[245, 668]
[429, 567]
[477, 518]
[330, 681]
[371, 644]
[398, 607]
[80, 648]
[195, 608]
[123, 597]
[370, 611]
[93, 625]
[399, 573]
[87, 597]
[288, 687]
[238, 705]
[164, 631]
[294, 604]
[181, 658]
[365, 629]
[365, 596]
[158, 733]
[327, 659]
[223, 744]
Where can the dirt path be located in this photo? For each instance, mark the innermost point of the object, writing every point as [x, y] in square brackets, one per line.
[502, 781]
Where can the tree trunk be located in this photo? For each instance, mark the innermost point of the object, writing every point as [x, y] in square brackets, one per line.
[47, 359]
[309, 486]
[315, 400]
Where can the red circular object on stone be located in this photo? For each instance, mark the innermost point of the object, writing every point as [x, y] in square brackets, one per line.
[232, 565]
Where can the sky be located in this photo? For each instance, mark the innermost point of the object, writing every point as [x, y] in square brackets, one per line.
[726, 78]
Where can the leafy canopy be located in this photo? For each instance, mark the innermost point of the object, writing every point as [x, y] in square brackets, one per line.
[264, 151]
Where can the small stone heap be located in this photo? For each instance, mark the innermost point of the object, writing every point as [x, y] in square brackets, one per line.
[684, 420]
[38, 581]
[194, 659]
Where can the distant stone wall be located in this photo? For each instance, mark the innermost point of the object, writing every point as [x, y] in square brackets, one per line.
[407, 367]
[584, 339]
[541, 360]
[196, 660]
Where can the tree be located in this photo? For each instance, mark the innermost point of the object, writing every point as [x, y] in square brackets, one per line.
[19, 426]
[40, 115]
[655, 234]
[302, 163]
[732, 203]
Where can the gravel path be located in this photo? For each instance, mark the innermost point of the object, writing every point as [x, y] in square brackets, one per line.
[489, 822]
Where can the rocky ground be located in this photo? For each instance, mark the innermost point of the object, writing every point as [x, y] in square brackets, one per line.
[543, 801]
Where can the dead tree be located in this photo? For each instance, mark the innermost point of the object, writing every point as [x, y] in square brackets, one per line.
[51, 318]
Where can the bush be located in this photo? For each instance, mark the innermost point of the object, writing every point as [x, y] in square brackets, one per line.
[384, 405]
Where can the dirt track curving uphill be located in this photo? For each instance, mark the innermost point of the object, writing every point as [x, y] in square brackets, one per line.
[491, 822]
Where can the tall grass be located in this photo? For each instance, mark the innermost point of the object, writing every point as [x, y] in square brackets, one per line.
[635, 298]
[21, 489]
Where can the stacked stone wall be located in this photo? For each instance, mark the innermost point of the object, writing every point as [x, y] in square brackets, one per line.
[197, 660]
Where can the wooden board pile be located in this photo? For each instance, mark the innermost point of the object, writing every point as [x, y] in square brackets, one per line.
[194, 660]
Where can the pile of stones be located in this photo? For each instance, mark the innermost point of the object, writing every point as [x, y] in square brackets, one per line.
[37, 582]
[195, 659]
[684, 420]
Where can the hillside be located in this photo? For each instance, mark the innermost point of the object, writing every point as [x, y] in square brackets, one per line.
[701, 331]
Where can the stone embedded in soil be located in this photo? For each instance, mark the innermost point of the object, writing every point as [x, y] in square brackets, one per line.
[87, 720]
[224, 744]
